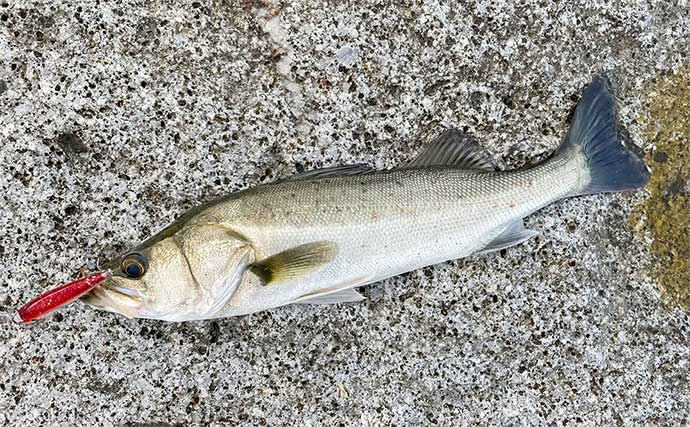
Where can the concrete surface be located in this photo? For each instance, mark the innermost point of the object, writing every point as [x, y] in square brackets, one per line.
[115, 116]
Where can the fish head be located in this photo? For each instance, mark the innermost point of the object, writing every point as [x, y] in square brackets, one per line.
[188, 275]
[145, 282]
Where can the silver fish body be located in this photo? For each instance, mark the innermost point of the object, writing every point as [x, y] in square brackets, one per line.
[312, 239]
[385, 223]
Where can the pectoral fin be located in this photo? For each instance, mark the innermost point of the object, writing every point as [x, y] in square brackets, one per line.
[295, 262]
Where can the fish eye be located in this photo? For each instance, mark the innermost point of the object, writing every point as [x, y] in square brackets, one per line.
[134, 265]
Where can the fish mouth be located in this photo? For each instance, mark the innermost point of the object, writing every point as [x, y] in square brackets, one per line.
[132, 293]
[116, 299]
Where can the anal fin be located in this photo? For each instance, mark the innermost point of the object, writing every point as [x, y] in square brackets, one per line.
[514, 234]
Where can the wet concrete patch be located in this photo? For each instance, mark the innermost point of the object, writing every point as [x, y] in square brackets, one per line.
[667, 211]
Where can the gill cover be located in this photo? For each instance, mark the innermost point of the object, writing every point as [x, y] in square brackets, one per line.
[217, 259]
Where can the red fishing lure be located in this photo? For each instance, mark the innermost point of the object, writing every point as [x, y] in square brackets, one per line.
[62, 295]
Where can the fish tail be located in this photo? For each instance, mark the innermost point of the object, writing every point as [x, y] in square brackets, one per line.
[595, 134]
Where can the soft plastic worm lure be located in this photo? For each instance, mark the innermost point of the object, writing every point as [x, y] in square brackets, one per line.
[56, 298]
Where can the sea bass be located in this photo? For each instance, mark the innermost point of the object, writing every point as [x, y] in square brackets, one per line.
[313, 238]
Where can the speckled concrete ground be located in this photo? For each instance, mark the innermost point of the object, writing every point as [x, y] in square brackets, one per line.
[116, 116]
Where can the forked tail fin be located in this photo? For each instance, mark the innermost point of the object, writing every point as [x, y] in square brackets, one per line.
[595, 131]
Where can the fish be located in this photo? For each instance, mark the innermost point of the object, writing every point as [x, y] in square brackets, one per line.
[313, 238]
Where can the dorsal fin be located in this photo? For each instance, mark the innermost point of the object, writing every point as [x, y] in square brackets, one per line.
[332, 171]
[454, 148]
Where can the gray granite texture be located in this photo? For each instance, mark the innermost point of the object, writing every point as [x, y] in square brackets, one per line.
[116, 116]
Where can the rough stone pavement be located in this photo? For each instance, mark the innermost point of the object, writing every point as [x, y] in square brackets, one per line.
[116, 116]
